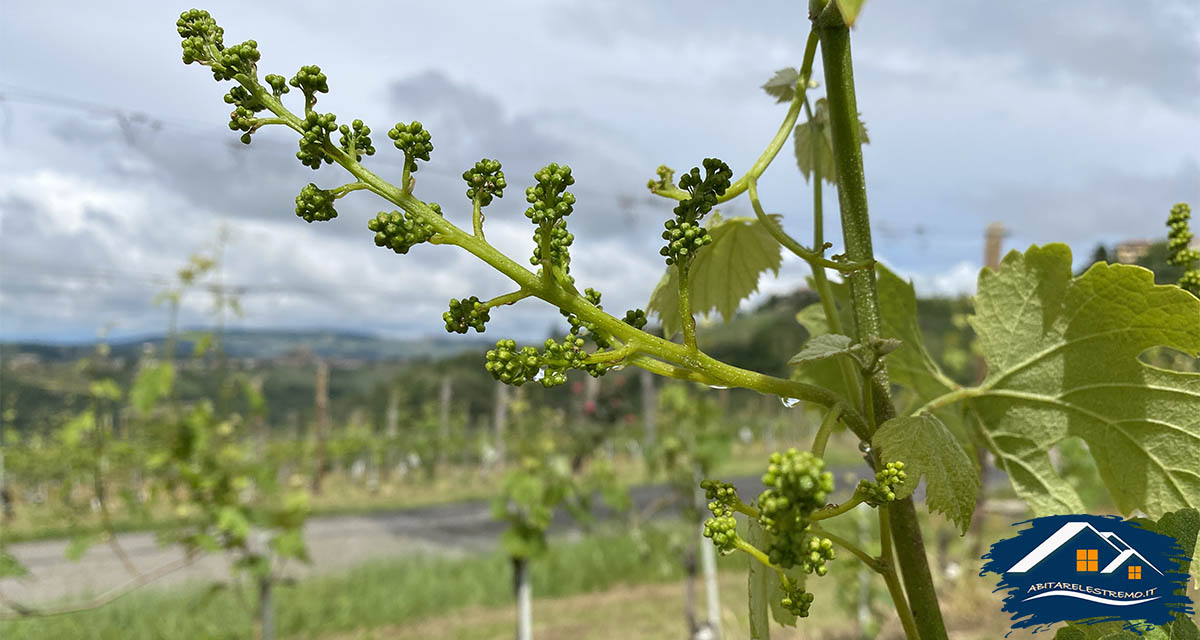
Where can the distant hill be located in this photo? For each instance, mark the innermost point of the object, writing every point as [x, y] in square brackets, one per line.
[268, 344]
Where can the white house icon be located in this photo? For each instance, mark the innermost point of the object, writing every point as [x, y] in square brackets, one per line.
[1069, 531]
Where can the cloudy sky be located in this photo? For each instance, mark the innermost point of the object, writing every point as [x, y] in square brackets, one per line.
[1070, 121]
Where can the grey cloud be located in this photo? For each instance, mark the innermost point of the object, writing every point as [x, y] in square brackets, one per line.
[1150, 46]
[1107, 206]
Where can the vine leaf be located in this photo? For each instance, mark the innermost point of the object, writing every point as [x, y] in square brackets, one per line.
[782, 86]
[152, 383]
[10, 567]
[722, 274]
[832, 345]
[813, 144]
[766, 589]
[759, 580]
[1063, 360]
[929, 450]
[911, 366]
[850, 10]
[827, 373]
[1183, 525]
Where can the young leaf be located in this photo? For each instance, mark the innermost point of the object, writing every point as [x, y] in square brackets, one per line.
[782, 86]
[10, 567]
[1063, 360]
[722, 274]
[760, 586]
[910, 366]
[766, 590]
[80, 544]
[832, 345]
[929, 450]
[813, 144]
[825, 373]
[850, 10]
[151, 385]
[909, 363]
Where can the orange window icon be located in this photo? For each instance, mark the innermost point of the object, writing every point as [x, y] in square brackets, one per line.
[1089, 560]
[1135, 572]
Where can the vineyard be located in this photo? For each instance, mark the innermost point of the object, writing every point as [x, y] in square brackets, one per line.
[726, 423]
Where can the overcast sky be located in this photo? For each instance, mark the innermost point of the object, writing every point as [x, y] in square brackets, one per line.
[1074, 121]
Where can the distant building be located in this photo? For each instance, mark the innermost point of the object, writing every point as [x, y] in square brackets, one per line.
[1131, 251]
[24, 360]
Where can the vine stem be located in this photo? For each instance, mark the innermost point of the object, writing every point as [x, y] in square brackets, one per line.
[685, 307]
[902, 527]
[889, 576]
[823, 433]
[833, 512]
[874, 564]
[776, 144]
[674, 359]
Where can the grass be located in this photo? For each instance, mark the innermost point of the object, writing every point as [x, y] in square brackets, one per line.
[386, 592]
[632, 584]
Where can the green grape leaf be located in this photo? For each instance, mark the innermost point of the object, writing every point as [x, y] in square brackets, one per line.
[760, 586]
[826, 374]
[930, 451]
[722, 274]
[105, 389]
[824, 347]
[909, 363]
[152, 384]
[850, 10]
[766, 590]
[10, 567]
[1063, 360]
[832, 345]
[232, 521]
[813, 144]
[911, 366]
[782, 86]
[290, 544]
[77, 427]
[80, 544]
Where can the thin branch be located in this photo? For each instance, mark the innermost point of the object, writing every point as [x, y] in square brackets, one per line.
[143, 579]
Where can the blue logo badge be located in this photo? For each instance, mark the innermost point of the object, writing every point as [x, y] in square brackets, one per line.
[1089, 568]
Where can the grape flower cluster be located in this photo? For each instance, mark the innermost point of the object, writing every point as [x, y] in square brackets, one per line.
[468, 313]
[315, 204]
[356, 140]
[514, 366]
[721, 528]
[415, 141]
[883, 489]
[1179, 251]
[684, 233]
[401, 231]
[484, 181]
[550, 204]
[549, 199]
[796, 485]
